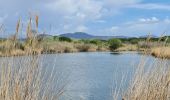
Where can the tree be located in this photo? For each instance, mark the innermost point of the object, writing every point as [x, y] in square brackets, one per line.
[134, 41]
[96, 41]
[66, 39]
[55, 37]
[114, 44]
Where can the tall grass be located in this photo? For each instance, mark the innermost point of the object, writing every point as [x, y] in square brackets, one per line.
[151, 81]
[26, 79]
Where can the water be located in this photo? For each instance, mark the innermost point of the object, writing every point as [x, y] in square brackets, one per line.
[91, 76]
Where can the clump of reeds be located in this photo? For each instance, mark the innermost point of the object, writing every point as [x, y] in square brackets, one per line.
[31, 43]
[151, 80]
[17, 30]
[26, 79]
[151, 83]
[161, 52]
[37, 22]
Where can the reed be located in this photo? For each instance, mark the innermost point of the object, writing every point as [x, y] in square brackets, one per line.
[151, 80]
[25, 79]
[151, 83]
[161, 52]
[29, 29]
[36, 21]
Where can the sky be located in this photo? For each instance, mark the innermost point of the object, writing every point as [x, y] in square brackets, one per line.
[96, 17]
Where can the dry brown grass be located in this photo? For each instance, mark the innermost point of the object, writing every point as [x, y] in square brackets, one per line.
[151, 80]
[25, 79]
[65, 47]
[152, 83]
[37, 22]
[29, 29]
[128, 47]
[162, 52]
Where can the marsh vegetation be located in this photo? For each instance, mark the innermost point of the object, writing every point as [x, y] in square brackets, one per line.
[26, 80]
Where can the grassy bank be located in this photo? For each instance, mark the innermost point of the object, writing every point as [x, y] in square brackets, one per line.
[37, 43]
[150, 82]
[161, 52]
[10, 47]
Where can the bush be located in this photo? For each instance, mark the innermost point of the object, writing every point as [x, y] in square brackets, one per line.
[55, 38]
[134, 41]
[96, 42]
[66, 39]
[114, 44]
[84, 41]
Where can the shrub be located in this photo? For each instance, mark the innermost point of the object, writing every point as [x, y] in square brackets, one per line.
[134, 41]
[66, 39]
[85, 41]
[96, 42]
[55, 37]
[114, 44]
[86, 47]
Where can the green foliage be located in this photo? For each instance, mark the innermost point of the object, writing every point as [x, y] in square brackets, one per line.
[55, 38]
[114, 43]
[134, 41]
[66, 39]
[19, 45]
[86, 41]
[96, 42]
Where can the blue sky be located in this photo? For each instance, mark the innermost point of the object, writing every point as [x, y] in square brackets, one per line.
[97, 17]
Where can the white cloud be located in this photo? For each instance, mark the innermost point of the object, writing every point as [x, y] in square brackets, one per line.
[114, 28]
[151, 6]
[2, 18]
[101, 21]
[139, 27]
[81, 29]
[83, 9]
[75, 15]
[119, 3]
[148, 20]
[152, 20]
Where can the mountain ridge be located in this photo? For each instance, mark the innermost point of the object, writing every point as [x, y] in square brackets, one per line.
[82, 35]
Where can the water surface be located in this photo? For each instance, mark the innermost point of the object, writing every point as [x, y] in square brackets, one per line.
[93, 76]
[90, 75]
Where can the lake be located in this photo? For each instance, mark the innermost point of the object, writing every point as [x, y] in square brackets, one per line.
[94, 76]
[91, 75]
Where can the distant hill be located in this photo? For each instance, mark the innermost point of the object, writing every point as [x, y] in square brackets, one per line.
[78, 35]
[146, 36]
[82, 35]
[44, 36]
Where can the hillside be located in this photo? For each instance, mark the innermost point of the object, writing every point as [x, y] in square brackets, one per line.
[82, 35]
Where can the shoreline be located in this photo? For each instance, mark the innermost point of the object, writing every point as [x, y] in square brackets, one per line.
[108, 51]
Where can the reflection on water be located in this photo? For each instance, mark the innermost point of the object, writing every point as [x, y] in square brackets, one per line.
[116, 53]
[91, 76]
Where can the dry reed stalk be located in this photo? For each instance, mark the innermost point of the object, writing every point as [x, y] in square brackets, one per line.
[151, 82]
[18, 26]
[15, 37]
[25, 79]
[29, 29]
[36, 21]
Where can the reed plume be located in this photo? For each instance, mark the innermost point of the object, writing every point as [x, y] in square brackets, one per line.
[17, 30]
[29, 29]
[36, 21]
